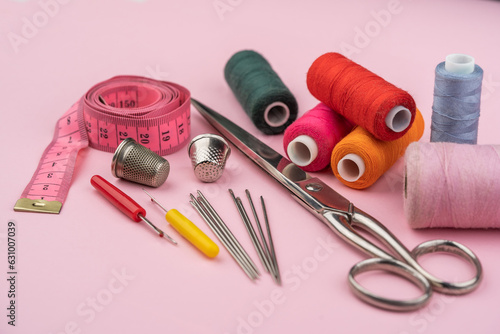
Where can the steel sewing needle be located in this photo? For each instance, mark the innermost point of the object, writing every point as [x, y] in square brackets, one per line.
[271, 244]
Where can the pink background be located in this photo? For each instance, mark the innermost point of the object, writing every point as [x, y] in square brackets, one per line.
[66, 261]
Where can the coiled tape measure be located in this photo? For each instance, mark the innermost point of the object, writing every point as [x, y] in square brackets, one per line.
[154, 113]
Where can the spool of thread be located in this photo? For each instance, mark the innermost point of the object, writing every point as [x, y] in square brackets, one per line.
[309, 141]
[452, 185]
[360, 159]
[361, 96]
[457, 97]
[260, 91]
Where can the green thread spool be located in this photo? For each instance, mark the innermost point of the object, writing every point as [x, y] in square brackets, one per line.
[260, 91]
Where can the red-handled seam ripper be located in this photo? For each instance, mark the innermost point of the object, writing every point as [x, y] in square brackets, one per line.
[124, 203]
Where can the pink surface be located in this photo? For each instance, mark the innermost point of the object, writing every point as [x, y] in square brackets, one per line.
[91, 270]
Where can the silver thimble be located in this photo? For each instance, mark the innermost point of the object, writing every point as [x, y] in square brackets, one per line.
[208, 153]
[136, 163]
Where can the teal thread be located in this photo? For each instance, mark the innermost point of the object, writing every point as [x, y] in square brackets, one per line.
[256, 86]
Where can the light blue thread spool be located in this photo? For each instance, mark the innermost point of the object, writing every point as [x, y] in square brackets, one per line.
[457, 97]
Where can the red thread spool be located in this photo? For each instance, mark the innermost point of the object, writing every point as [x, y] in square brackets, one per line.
[309, 141]
[361, 96]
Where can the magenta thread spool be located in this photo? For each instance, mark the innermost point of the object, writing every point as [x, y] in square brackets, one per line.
[309, 141]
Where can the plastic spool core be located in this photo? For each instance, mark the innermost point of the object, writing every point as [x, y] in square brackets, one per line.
[398, 118]
[302, 150]
[276, 114]
[459, 63]
[351, 167]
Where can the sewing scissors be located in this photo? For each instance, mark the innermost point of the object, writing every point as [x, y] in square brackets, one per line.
[344, 218]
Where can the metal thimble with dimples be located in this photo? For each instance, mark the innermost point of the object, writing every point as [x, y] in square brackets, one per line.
[136, 163]
[208, 153]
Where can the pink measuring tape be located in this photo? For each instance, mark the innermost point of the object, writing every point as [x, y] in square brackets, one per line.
[154, 113]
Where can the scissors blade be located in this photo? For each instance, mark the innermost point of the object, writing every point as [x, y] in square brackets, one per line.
[312, 192]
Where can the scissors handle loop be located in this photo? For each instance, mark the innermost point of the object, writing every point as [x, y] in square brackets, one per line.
[399, 260]
[399, 252]
[456, 248]
[396, 267]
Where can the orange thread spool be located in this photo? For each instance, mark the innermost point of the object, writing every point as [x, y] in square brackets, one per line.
[360, 159]
[361, 96]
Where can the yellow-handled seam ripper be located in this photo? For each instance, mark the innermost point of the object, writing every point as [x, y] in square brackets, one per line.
[188, 230]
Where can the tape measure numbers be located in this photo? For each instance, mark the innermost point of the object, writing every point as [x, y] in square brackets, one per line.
[154, 113]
